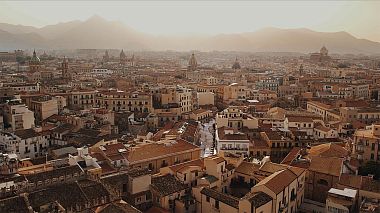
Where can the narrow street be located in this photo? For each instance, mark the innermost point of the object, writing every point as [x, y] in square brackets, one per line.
[206, 138]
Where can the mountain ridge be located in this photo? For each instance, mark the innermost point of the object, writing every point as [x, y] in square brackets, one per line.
[99, 33]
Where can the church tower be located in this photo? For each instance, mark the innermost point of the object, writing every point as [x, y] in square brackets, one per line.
[236, 66]
[65, 69]
[34, 63]
[133, 60]
[192, 63]
[123, 57]
[300, 70]
[106, 57]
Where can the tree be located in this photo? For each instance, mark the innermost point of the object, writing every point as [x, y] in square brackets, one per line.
[370, 168]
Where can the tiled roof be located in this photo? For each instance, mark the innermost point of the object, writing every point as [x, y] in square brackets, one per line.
[118, 208]
[216, 159]
[154, 150]
[26, 133]
[222, 197]
[68, 195]
[300, 119]
[115, 179]
[328, 150]
[166, 185]
[137, 172]
[326, 165]
[55, 173]
[178, 167]
[92, 189]
[257, 199]
[291, 156]
[247, 168]
[322, 128]
[211, 178]
[230, 167]
[278, 181]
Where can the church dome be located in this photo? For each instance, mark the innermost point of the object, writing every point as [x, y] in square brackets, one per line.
[324, 51]
[122, 54]
[236, 65]
[34, 58]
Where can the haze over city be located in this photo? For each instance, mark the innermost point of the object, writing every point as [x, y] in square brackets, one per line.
[209, 25]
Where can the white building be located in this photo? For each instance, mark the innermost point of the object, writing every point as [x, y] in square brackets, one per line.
[229, 140]
[184, 99]
[324, 132]
[26, 143]
[18, 116]
[305, 124]
[235, 118]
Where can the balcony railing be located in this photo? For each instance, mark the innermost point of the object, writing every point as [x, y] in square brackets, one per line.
[239, 149]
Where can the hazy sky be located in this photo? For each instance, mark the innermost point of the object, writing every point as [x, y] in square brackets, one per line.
[360, 18]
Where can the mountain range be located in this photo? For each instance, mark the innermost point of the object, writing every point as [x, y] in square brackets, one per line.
[99, 33]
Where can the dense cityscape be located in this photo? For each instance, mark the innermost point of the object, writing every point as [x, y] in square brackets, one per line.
[129, 130]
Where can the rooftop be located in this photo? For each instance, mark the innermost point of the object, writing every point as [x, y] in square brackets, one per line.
[167, 184]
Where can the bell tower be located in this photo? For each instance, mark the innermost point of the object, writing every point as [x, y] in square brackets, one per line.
[65, 69]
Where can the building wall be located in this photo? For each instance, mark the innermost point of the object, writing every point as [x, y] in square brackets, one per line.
[140, 184]
[20, 117]
[318, 184]
[206, 98]
[333, 207]
[210, 206]
[156, 164]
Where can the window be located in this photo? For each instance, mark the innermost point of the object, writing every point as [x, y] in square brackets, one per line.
[323, 182]
[373, 146]
[196, 173]
[208, 199]
[217, 204]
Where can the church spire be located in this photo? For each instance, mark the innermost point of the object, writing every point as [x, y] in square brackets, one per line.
[192, 63]
[236, 64]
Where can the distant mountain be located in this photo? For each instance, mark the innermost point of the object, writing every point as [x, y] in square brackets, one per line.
[9, 41]
[99, 33]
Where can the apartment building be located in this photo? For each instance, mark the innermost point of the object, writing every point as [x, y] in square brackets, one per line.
[366, 144]
[44, 107]
[367, 115]
[151, 155]
[81, 99]
[232, 92]
[119, 100]
[18, 116]
[232, 141]
[178, 95]
[234, 117]
[27, 143]
[263, 95]
[319, 108]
